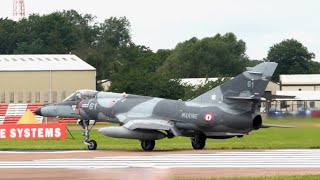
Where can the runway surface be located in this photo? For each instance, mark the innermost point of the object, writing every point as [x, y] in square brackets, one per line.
[290, 158]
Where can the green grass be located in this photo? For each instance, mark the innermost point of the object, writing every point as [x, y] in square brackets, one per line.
[302, 177]
[295, 121]
[305, 135]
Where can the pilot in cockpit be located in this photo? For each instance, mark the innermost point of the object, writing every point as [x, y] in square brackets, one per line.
[81, 95]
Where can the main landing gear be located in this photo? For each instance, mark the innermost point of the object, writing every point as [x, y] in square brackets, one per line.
[199, 141]
[91, 144]
[148, 145]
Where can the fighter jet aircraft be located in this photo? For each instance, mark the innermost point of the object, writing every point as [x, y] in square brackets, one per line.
[225, 111]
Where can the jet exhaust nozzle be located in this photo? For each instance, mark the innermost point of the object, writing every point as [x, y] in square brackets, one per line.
[122, 132]
[257, 122]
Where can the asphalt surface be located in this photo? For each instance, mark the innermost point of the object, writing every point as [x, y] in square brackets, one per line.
[157, 165]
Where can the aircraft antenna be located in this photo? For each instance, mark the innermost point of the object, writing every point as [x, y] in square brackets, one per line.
[18, 9]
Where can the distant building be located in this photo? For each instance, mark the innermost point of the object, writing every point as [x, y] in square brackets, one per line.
[304, 87]
[43, 78]
[269, 95]
[300, 82]
[105, 84]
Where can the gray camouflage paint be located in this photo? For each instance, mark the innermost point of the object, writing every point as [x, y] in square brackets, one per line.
[223, 112]
[227, 110]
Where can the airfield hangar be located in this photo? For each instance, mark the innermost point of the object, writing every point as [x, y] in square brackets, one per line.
[43, 78]
[304, 87]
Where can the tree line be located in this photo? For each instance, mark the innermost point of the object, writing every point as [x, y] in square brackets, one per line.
[134, 68]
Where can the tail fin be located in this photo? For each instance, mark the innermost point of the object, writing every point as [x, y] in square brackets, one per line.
[249, 85]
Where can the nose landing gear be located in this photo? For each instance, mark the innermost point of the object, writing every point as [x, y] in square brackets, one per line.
[91, 144]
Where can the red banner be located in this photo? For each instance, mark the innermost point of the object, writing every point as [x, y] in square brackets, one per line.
[33, 131]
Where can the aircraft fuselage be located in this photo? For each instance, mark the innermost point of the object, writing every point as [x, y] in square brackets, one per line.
[115, 107]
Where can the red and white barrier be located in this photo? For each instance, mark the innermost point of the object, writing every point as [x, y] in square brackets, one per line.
[11, 113]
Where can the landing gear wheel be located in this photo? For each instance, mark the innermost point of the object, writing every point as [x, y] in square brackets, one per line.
[198, 142]
[92, 145]
[148, 145]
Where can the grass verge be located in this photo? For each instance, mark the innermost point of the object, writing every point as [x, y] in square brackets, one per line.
[305, 135]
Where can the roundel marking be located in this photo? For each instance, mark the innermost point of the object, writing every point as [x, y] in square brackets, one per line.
[208, 117]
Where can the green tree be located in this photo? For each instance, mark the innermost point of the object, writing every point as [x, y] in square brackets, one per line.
[8, 36]
[109, 48]
[292, 58]
[193, 91]
[252, 63]
[114, 43]
[139, 76]
[208, 57]
[145, 83]
[54, 33]
[115, 33]
[87, 31]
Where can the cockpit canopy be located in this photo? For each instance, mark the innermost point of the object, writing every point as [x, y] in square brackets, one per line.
[81, 95]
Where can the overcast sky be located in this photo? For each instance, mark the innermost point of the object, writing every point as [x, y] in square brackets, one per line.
[161, 24]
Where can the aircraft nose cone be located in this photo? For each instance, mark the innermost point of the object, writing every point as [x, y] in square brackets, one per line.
[38, 111]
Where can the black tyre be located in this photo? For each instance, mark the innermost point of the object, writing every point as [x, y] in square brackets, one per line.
[198, 143]
[148, 145]
[92, 145]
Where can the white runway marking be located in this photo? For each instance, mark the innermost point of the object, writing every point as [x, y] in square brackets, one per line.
[295, 158]
[42, 152]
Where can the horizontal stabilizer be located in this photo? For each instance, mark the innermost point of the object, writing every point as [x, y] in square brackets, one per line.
[276, 125]
[252, 98]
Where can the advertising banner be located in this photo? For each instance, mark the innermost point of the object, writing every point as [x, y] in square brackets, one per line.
[33, 131]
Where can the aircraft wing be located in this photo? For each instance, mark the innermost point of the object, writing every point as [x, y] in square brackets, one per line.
[276, 125]
[150, 123]
[213, 134]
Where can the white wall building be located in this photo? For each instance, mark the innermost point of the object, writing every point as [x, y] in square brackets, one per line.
[43, 78]
[305, 88]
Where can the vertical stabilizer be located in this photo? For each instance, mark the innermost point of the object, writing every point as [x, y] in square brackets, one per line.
[248, 85]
